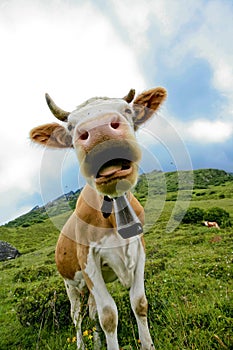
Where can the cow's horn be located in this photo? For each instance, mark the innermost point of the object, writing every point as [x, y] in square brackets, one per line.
[57, 112]
[128, 98]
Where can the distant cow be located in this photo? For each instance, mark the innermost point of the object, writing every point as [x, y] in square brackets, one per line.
[90, 251]
[211, 224]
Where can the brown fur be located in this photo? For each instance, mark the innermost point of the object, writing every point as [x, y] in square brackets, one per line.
[74, 259]
[51, 135]
[141, 307]
[56, 136]
[109, 319]
[80, 229]
[66, 257]
[147, 103]
[211, 224]
[88, 209]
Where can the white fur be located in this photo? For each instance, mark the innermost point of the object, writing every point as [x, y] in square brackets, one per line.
[126, 262]
[94, 108]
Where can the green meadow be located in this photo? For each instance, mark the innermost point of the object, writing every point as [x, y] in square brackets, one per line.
[188, 274]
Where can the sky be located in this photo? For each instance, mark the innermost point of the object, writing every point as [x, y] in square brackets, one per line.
[76, 49]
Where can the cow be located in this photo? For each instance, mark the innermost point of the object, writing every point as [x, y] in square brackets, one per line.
[90, 251]
[211, 224]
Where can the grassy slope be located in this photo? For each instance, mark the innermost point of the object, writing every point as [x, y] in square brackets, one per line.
[188, 284]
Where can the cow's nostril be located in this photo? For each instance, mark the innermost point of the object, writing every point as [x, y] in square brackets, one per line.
[84, 136]
[115, 124]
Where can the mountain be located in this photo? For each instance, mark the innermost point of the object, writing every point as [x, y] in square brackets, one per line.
[38, 214]
[156, 182]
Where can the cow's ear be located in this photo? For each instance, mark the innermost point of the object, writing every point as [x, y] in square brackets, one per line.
[51, 135]
[147, 103]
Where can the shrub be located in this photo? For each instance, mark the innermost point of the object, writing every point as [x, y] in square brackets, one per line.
[195, 215]
[30, 274]
[26, 224]
[192, 216]
[43, 305]
[221, 216]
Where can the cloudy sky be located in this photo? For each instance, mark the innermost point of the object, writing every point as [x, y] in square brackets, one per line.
[77, 49]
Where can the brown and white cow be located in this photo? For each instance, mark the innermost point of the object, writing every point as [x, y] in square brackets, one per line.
[90, 252]
[211, 224]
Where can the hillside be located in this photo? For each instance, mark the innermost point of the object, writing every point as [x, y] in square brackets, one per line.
[38, 214]
[156, 182]
[188, 276]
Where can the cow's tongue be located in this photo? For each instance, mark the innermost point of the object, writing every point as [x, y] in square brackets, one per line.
[109, 170]
[112, 167]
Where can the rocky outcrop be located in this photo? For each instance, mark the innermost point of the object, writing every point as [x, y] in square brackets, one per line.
[7, 251]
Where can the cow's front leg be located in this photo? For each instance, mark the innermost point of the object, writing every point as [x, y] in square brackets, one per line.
[93, 316]
[106, 307]
[139, 303]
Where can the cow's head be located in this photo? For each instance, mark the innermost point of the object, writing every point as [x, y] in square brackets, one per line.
[102, 132]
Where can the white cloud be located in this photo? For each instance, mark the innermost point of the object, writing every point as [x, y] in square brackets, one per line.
[165, 134]
[204, 30]
[172, 16]
[178, 29]
[74, 51]
[69, 50]
[203, 131]
[135, 21]
[206, 131]
[167, 16]
[173, 133]
[212, 42]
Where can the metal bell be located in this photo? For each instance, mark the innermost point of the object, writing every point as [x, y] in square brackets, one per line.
[128, 224]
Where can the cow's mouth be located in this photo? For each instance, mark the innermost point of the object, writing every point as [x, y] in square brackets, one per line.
[110, 160]
[112, 166]
[114, 169]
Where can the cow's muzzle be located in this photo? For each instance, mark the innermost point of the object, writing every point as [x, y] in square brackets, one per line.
[111, 159]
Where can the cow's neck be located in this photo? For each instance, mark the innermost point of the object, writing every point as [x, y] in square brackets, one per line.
[89, 206]
[101, 211]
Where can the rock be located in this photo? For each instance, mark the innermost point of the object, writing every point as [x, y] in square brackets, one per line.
[7, 251]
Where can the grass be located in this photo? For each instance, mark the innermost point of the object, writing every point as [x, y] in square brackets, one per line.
[188, 280]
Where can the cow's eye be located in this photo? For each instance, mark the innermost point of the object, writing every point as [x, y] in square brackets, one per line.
[128, 111]
[70, 127]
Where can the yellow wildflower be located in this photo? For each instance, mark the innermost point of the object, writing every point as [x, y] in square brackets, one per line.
[74, 339]
[94, 329]
[85, 333]
[90, 336]
[68, 340]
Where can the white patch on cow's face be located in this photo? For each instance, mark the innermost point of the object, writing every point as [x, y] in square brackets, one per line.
[93, 109]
